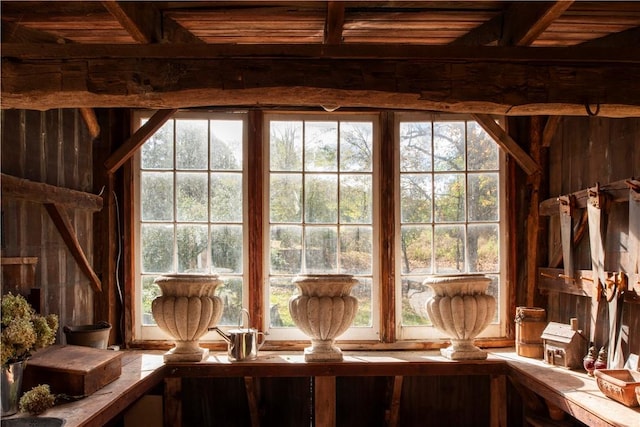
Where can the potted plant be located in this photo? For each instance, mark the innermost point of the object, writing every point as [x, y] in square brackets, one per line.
[23, 332]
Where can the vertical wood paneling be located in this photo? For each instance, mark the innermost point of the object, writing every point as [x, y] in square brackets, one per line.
[51, 147]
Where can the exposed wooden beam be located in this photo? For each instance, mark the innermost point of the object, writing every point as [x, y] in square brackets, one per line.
[550, 129]
[61, 220]
[507, 143]
[90, 119]
[484, 34]
[334, 22]
[16, 33]
[525, 21]
[502, 54]
[140, 19]
[630, 37]
[467, 87]
[128, 149]
[172, 32]
[38, 192]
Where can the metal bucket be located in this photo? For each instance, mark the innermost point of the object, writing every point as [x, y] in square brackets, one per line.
[96, 336]
[11, 387]
[530, 323]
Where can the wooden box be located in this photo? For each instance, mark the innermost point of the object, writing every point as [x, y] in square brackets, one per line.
[73, 370]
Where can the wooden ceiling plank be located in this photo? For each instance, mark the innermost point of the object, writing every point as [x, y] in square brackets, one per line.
[141, 19]
[334, 23]
[630, 37]
[507, 143]
[524, 22]
[16, 33]
[128, 149]
[173, 32]
[482, 35]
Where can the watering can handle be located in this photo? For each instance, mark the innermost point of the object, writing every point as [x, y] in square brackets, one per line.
[240, 323]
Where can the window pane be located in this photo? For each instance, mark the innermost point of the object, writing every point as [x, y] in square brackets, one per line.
[285, 147]
[362, 292]
[483, 197]
[231, 295]
[356, 246]
[157, 248]
[226, 144]
[156, 196]
[355, 199]
[482, 150]
[157, 151]
[356, 146]
[226, 197]
[226, 248]
[192, 144]
[192, 248]
[414, 302]
[321, 146]
[286, 249]
[150, 291]
[415, 147]
[321, 250]
[191, 195]
[416, 249]
[285, 199]
[448, 146]
[483, 243]
[416, 197]
[321, 199]
[449, 198]
[281, 289]
[450, 249]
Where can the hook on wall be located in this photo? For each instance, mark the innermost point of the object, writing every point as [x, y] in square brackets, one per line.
[588, 108]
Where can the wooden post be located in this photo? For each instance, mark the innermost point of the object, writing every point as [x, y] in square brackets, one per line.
[253, 393]
[498, 403]
[325, 401]
[173, 402]
[394, 405]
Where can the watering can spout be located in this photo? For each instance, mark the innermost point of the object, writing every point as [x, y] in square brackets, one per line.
[226, 337]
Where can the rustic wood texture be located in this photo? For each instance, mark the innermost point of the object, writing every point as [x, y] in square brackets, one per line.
[53, 148]
[388, 331]
[255, 229]
[324, 401]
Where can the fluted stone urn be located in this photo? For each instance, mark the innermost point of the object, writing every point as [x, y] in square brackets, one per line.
[186, 310]
[324, 310]
[461, 309]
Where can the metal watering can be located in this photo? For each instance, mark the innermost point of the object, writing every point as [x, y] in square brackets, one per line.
[243, 343]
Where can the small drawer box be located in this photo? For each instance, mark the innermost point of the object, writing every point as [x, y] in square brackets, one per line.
[73, 370]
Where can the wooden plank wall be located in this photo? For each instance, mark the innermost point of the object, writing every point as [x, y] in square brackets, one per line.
[585, 151]
[53, 147]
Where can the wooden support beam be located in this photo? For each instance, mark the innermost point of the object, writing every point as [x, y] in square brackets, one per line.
[141, 19]
[255, 229]
[498, 401]
[325, 401]
[253, 398]
[550, 129]
[482, 35]
[90, 119]
[173, 32]
[507, 143]
[525, 21]
[61, 220]
[128, 149]
[38, 192]
[334, 22]
[172, 402]
[393, 414]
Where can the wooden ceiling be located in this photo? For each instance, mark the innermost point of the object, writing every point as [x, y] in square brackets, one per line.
[563, 57]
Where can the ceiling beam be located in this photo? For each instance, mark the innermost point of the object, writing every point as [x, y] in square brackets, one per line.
[16, 33]
[334, 22]
[140, 19]
[484, 34]
[481, 86]
[630, 37]
[525, 21]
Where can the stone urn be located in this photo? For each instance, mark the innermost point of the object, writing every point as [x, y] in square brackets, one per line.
[323, 311]
[461, 309]
[186, 310]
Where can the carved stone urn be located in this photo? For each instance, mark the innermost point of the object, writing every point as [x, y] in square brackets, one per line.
[324, 310]
[186, 310]
[461, 309]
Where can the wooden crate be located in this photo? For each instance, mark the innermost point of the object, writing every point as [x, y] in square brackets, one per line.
[73, 370]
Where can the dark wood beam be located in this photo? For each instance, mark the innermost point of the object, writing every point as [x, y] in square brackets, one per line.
[550, 129]
[140, 19]
[525, 21]
[334, 22]
[15, 33]
[467, 87]
[173, 32]
[128, 149]
[507, 143]
[630, 37]
[484, 34]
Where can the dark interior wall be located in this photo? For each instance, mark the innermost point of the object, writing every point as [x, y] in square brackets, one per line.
[53, 147]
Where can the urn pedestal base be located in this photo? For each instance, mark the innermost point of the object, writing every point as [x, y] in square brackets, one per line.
[322, 351]
[177, 354]
[463, 351]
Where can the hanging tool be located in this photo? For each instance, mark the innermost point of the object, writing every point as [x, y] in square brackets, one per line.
[566, 206]
[633, 267]
[596, 211]
[614, 290]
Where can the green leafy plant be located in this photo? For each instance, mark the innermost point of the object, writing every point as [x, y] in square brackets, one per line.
[23, 330]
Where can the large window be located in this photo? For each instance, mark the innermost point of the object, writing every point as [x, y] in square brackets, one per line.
[191, 211]
[448, 212]
[320, 213]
